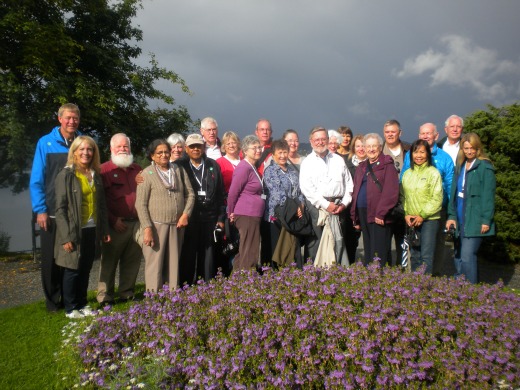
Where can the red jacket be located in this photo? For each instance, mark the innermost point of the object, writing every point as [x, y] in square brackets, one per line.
[378, 203]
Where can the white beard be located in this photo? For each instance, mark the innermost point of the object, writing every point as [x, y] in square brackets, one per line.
[122, 160]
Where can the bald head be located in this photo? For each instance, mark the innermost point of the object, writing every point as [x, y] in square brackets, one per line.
[428, 132]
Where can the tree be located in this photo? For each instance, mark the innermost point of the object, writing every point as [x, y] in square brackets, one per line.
[79, 51]
[499, 130]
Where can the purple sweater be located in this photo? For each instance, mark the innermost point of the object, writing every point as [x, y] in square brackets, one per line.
[245, 192]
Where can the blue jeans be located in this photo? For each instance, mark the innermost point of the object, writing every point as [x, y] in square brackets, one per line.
[466, 249]
[423, 254]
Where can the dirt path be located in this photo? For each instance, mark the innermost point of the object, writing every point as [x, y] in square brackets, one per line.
[20, 281]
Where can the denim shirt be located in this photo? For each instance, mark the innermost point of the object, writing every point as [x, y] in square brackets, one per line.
[279, 185]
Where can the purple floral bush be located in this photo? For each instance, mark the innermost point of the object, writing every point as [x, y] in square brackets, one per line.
[351, 328]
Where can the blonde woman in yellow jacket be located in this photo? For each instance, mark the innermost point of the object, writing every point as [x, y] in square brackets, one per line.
[421, 195]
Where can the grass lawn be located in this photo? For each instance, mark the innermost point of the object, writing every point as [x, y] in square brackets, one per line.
[30, 337]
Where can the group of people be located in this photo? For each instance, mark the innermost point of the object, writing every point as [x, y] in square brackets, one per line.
[206, 203]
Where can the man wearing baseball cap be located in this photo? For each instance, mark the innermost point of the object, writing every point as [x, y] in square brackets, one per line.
[198, 257]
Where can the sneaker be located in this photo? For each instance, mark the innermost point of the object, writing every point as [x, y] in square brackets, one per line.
[87, 311]
[74, 314]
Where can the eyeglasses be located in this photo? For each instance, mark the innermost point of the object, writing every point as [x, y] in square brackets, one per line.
[195, 146]
[70, 118]
[165, 152]
[211, 130]
[256, 148]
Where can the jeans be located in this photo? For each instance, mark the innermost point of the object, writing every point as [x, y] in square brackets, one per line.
[466, 249]
[423, 254]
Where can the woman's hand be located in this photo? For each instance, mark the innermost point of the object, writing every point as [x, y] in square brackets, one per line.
[183, 221]
[300, 212]
[414, 220]
[450, 222]
[107, 238]
[379, 221]
[148, 237]
[68, 247]
[231, 217]
[484, 229]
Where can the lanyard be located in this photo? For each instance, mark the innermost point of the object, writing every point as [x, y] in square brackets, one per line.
[195, 174]
[257, 175]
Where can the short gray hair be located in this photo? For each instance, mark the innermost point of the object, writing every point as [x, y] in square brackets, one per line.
[206, 121]
[119, 135]
[452, 117]
[248, 141]
[373, 136]
[315, 129]
[335, 134]
[175, 138]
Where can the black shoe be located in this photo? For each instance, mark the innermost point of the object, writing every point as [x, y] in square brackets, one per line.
[127, 299]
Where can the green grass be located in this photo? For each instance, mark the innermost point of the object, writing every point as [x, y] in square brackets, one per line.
[29, 339]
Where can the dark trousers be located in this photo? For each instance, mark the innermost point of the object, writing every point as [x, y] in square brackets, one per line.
[398, 228]
[198, 252]
[267, 246]
[312, 243]
[75, 281]
[376, 239]
[350, 235]
[51, 273]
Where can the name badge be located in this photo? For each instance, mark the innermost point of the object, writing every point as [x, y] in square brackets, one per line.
[263, 197]
[201, 193]
[461, 194]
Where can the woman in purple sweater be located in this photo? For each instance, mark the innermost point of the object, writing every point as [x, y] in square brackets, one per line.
[246, 204]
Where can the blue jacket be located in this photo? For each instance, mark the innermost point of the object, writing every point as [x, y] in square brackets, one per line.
[444, 164]
[49, 159]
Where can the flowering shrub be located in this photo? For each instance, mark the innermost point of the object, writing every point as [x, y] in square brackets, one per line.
[350, 328]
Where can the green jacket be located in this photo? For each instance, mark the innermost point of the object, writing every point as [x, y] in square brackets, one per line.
[68, 217]
[421, 191]
[479, 194]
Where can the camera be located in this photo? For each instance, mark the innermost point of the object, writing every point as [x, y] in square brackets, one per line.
[449, 234]
[231, 248]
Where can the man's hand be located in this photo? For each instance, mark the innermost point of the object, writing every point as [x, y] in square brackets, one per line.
[139, 179]
[331, 208]
[339, 208]
[42, 220]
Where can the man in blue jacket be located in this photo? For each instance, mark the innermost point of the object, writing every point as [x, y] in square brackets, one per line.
[50, 157]
[444, 164]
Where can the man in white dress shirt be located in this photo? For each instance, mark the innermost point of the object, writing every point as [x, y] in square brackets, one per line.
[325, 181]
[454, 126]
[209, 131]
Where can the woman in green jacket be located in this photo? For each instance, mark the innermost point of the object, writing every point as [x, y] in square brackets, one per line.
[421, 195]
[81, 223]
[472, 204]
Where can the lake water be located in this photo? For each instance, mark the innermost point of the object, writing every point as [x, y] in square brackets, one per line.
[15, 219]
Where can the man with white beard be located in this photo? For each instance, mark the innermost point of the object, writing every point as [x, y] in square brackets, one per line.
[120, 186]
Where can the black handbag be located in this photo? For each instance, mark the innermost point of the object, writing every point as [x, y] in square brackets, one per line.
[412, 237]
[397, 212]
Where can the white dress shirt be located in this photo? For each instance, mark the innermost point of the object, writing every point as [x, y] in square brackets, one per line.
[213, 151]
[452, 150]
[325, 177]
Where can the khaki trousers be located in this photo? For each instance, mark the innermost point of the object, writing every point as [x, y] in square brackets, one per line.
[162, 260]
[122, 250]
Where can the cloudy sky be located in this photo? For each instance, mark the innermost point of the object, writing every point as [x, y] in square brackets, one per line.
[306, 63]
